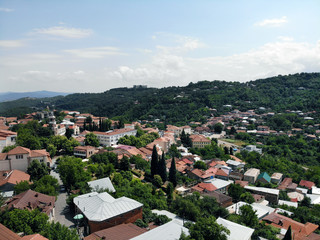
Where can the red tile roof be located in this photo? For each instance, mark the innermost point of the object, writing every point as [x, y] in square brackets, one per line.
[31, 200]
[307, 184]
[7, 234]
[13, 177]
[19, 150]
[34, 237]
[300, 230]
[120, 232]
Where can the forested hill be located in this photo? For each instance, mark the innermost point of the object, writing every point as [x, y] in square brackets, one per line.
[189, 103]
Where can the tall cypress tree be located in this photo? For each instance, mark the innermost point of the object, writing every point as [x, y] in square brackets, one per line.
[173, 173]
[288, 235]
[162, 169]
[154, 161]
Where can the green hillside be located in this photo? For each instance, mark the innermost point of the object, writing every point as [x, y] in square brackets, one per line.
[189, 103]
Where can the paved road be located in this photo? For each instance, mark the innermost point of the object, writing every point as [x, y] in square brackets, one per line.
[62, 213]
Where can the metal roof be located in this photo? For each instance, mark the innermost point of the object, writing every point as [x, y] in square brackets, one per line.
[237, 231]
[103, 183]
[101, 206]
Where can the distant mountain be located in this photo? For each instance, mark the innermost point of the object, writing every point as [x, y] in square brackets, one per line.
[10, 96]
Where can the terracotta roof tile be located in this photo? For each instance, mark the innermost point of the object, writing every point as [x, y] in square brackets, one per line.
[13, 177]
[7, 234]
[307, 184]
[19, 150]
[34, 237]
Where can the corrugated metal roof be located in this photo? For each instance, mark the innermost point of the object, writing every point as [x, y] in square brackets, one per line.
[237, 231]
[101, 206]
[103, 183]
[169, 231]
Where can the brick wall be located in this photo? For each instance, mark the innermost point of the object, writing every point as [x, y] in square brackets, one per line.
[129, 217]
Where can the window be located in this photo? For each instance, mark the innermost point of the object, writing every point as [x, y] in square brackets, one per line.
[19, 156]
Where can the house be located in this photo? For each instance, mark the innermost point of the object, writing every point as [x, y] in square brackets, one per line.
[168, 231]
[237, 231]
[252, 148]
[202, 175]
[102, 211]
[307, 184]
[251, 175]
[84, 151]
[111, 138]
[223, 200]
[235, 176]
[264, 178]
[7, 234]
[220, 185]
[102, 184]
[259, 210]
[300, 231]
[31, 200]
[288, 185]
[271, 195]
[276, 178]
[222, 174]
[199, 141]
[119, 232]
[7, 138]
[235, 165]
[315, 198]
[20, 158]
[8, 179]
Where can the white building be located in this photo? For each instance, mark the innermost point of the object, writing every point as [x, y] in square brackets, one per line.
[7, 138]
[111, 138]
[252, 148]
[237, 231]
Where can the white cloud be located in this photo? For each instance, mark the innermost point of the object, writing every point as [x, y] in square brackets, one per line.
[64, 32]
[11, 43]
[283, 57]
[96, 52]
[284, 38]
[6, 10]
[274, 22]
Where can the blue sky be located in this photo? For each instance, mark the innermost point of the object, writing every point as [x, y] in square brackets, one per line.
[92, 46]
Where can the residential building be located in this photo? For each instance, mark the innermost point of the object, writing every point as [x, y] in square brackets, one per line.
[199, 141]
[220, 185]
[264, 178]
[7, 138]
[8, 179]
[102, 184]
[307, 184]
[31, 200]
[300, 231]
[260, 210]
[276, 178]
[288, 185]
[84, 151]
[235, 165]
[271, 195]
[251, 175]
[111, 138]
[119, 232]
[7, 234]
[20, 158]
[237, 231]
[223, 200]
[167, 231]
[252, 148]
[102, 211]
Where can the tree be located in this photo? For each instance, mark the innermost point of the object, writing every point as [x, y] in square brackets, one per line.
[47, 185]
[37, 170]
[235, 191]
[288, 235]
[226, 150]
[8, 148]
[248, 216]
[162, 169]
[231, 151]
[218, 127]
[173, 173]
[200, 165]
[246, 197]
[124, 163]
[21, 187]
[52, 150]
[169, 191]
[69, 133]
[207, 229]
[157, 181]
[154, 161]
[92, 140]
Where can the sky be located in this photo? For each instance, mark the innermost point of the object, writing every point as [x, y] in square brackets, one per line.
[96, 45]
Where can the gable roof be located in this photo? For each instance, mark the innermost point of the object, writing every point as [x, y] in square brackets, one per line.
[7, 234]
[265, 176]
[31, 200]
[19, 150]
[103, 183]
[13, 177]
[307, 184]
[300, 230]
[36, 236]
[102, 206]
[237, 231]
[119, 232]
